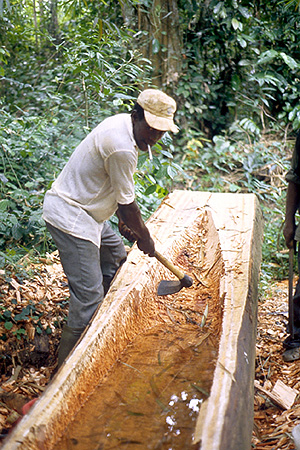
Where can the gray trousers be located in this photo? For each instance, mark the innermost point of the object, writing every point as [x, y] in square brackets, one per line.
[296, 299]
[86, 266]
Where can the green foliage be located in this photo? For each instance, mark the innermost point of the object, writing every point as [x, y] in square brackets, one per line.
[15, 318]
[85, 76]
[240, 62]
[240, 78]
[242, 162]
[155, 177]
[62, 71]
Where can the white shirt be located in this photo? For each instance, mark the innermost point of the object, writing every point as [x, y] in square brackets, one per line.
[98, 176]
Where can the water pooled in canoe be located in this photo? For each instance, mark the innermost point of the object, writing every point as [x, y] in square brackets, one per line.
[152, 395]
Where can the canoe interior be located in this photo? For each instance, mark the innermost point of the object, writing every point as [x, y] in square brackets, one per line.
[209, 237]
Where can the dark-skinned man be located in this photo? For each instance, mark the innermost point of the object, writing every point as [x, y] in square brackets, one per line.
[97, 182]
[292, 235]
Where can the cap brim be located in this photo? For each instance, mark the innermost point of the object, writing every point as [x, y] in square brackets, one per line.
[160, 123]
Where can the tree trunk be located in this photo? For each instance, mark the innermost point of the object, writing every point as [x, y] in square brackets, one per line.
[35, 24]
[163, 43]
[53, 24]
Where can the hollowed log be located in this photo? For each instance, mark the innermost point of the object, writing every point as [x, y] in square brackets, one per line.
[215, 239]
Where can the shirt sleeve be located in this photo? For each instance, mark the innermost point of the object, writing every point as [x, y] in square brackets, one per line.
[120, 167]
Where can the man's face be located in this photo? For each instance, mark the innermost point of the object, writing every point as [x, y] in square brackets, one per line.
[144, 135]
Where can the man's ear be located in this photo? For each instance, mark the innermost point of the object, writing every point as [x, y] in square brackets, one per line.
[134, 116]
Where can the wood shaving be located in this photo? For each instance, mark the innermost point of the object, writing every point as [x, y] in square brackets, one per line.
[272, 424]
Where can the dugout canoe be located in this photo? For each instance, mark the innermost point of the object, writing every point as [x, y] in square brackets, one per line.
[214, 238]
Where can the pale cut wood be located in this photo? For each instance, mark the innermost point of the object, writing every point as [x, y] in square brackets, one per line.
[281, 394]
[228, 421]
[229, 230]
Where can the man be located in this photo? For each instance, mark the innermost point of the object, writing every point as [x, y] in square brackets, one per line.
[292, 234]
[97, 182]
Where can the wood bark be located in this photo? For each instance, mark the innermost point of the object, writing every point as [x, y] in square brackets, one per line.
[160, 40]
[35, 23]
[53, 27]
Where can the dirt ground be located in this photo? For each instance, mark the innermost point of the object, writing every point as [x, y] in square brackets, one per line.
[273, 424]
[29, 351]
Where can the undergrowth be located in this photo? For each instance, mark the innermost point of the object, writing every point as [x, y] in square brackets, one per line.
[34, 151]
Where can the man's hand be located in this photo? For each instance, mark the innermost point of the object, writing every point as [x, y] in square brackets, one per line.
[147, 246]
[289, 232]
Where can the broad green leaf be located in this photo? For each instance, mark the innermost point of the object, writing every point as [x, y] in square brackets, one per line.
[267, 56]
[265, 101]
[292, 115]
[150, 190]
[245, 12]
[4, 204]
[234, 187]
[167, 154]
[242, 42]
[218, 7]
[171, 172]
[3, 178]
[244, 62]
[236, 24]
[289, 61]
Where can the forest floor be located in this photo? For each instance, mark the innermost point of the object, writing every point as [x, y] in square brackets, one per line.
[273, 424]
[27, 363]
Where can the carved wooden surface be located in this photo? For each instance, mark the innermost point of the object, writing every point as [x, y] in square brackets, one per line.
[225, 233]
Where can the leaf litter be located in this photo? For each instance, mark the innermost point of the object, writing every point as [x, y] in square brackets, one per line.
[273, 424]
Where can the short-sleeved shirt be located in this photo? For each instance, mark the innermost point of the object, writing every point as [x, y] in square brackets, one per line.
[98, 176]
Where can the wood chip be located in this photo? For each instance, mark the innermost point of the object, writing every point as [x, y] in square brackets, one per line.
[281, 394]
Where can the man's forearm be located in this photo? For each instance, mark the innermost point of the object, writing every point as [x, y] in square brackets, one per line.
[292, 201]
[131, 216]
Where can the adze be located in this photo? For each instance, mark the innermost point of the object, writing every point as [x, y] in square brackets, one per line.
[166, 287]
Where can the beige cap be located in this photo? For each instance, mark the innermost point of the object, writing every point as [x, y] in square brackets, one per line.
[159, 109]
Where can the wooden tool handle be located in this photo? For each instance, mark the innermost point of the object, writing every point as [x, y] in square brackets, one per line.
[169, 265]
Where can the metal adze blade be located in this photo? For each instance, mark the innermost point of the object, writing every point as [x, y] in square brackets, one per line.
[167, 287]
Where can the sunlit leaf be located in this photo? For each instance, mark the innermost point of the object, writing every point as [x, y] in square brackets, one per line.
[289, 61]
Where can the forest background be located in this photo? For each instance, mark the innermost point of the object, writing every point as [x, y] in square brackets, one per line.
[232, 66]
